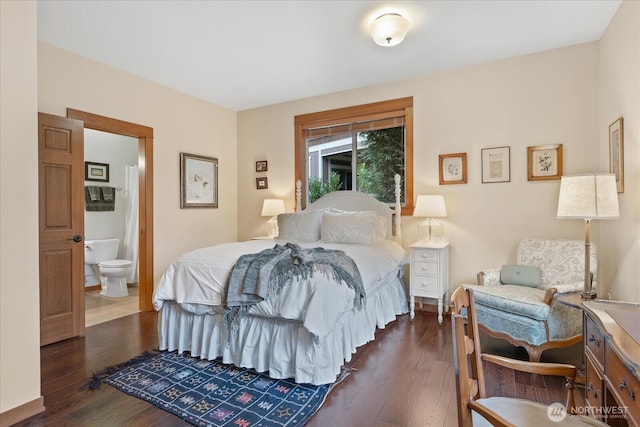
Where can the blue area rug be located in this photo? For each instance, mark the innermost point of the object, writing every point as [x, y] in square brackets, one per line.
[209, 393]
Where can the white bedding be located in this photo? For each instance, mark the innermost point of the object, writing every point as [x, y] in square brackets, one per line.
[196, 282]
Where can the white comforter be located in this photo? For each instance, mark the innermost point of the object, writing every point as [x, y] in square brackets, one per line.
[196, 281]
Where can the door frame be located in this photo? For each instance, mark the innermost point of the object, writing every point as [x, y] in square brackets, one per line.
[144, 134]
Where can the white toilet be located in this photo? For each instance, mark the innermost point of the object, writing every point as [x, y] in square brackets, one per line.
[101, 255]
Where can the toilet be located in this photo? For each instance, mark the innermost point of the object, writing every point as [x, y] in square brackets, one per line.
[100, 258]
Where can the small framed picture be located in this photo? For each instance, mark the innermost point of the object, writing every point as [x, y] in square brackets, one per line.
[96, 171]
[453, 168]
[496, 164]
[262, 166]
[544, 162]
[198, 181]
[262, 183]
[616, 153]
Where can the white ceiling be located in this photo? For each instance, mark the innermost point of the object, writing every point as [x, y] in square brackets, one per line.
[247, 54]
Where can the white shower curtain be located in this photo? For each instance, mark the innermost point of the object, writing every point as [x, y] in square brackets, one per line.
[131, 246]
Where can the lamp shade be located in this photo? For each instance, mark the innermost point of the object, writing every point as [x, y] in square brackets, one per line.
[593, 196]
[430, 207]
[272, 207]
[389, 29]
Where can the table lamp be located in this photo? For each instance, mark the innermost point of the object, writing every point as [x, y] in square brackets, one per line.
[587, 197]
[272, 208]
[429, 207]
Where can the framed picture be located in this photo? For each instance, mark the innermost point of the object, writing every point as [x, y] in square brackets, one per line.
[262, 183]
[198, 181]
[453, 168]
[496, 164]
[96, 171]
[616, 153]
[544, 162]
[261, 166]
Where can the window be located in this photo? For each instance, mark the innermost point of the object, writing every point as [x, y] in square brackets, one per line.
[357, 148]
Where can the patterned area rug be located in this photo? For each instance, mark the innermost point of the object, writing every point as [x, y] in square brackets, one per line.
[209, 393]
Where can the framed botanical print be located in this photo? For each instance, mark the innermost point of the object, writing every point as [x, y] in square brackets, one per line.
[544, 162]
[262, 183]
[198, 181]
[453, 168]
[262, 166]
[616, 153]
[496, 164]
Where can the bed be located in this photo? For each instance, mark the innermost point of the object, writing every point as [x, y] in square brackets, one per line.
[311, 324]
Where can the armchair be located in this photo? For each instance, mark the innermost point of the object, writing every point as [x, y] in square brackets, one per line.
[525, 313]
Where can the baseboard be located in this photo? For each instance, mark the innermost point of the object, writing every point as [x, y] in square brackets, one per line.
[93, 288]
[22, 412]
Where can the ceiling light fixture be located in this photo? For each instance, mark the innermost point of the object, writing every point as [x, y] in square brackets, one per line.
[389, 29]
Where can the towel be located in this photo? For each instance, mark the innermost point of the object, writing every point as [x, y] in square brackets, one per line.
[107, 193]
[94, 192]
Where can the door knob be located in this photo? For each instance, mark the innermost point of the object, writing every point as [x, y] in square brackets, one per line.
[77, 238]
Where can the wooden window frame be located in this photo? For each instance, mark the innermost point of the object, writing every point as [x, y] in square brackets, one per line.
[374, 111]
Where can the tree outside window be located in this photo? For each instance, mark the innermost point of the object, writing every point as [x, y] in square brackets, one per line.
[357, 148]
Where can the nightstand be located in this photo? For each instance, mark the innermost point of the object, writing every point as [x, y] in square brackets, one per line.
[429, 276]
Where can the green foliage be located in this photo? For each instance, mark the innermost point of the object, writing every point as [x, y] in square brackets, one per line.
[381, 157]
[318, 188]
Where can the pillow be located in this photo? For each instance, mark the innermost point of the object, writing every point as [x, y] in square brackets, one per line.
[300, 226]
[381, 231]
[349, 227]
[523, 275]
[382, 228]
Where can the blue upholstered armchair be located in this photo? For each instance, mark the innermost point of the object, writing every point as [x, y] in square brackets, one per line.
[516, 302]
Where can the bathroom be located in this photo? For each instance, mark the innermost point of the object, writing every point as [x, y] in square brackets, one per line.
[110, 161]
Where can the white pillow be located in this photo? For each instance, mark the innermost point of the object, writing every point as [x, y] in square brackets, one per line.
[349, 227]
[382, 228]
[300, 226]
[381, 231]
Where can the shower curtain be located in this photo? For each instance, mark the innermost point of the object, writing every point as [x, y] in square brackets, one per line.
[131, 246]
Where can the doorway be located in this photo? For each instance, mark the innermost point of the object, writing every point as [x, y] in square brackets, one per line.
[116, 156]
[144, 135]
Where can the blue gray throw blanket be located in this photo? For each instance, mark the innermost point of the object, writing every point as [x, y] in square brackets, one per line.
[257, 276]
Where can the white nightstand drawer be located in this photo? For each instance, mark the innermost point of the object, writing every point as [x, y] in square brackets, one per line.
[426, 286]
[426, 268]
[426, 255]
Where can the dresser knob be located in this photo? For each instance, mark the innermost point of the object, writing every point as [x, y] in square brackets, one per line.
[592, 338]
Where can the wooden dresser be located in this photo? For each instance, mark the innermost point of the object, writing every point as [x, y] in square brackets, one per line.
[612, 358]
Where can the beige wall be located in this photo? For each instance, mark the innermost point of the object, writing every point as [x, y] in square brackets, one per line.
[180, 123]
[39, 77]
[19, 293]
[549, 97]
[619, 95]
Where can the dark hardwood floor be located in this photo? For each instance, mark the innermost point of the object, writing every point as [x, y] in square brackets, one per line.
[403, 378]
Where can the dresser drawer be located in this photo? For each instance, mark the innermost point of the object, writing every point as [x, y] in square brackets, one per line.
[594, 341]
[425, 268]
[594, 388]
[426, 286]
[625, 386]
[429, 255]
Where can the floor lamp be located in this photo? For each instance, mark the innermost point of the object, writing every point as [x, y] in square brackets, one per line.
[588, 197]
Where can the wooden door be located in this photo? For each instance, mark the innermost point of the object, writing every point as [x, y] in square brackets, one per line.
[61, 212]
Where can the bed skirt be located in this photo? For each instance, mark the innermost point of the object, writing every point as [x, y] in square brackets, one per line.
[283, 348]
